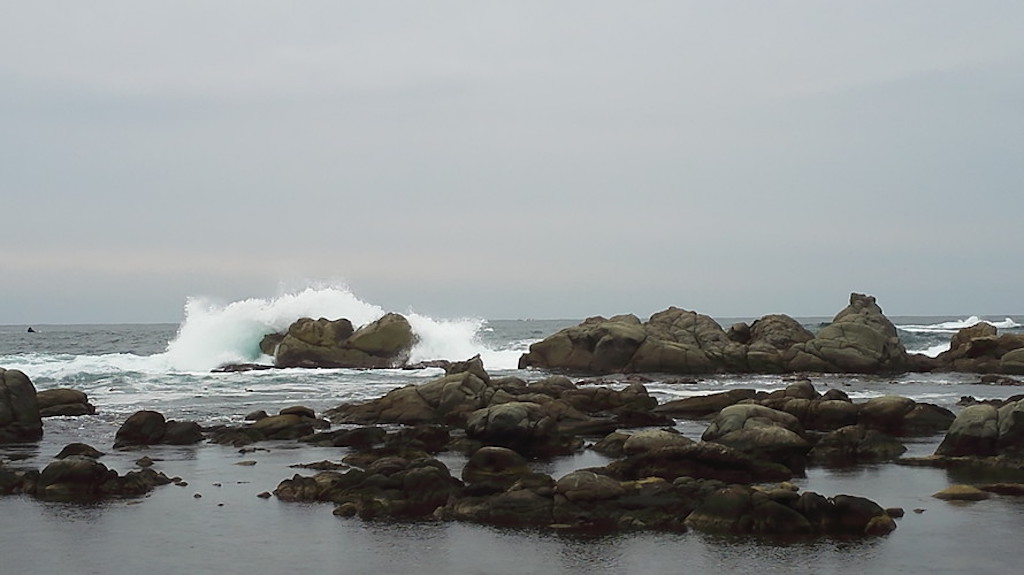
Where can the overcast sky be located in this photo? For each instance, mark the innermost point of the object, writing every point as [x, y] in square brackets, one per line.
[511, 159]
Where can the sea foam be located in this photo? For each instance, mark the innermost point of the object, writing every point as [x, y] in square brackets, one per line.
[214, 334]
[956, 325]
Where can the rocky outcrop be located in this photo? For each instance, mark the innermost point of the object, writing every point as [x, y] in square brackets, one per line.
[980, 349]
[64, 402]
[542, 418]
[383, 343]
[738, 510]
[76, 476]
[498, 488]
[19, 409]
[859, 340]
[761, 432]
[297, 422]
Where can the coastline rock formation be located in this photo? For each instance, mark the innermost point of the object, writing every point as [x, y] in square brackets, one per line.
[78, 477]
[860, 339]
[19, 410]
[313, 343]
[980, 349]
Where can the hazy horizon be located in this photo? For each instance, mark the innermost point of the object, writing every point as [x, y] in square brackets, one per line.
[528, 159]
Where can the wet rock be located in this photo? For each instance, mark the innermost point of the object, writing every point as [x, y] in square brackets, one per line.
[63, 402]
[742, 510]
[855, 444]
[19, 410]
[141, 428]
[79, 449]
[700, 460]
[326, 343]
[651, 439]
[704, 405]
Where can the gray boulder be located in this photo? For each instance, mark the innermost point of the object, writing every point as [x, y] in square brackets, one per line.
[860, 339]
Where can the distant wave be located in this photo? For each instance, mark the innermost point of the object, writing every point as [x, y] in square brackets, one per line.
[956, 325]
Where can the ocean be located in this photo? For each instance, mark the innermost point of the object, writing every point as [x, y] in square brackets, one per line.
[216, 524]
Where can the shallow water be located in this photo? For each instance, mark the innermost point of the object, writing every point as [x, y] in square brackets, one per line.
[230, 530]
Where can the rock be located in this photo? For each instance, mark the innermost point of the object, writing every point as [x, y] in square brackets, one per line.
[19, 410]
[299, 410]
[522, 426]
[743, 510]
[288, 426]
[63, 401]
[761, 432]
[73, 477]
[588, 486]
[704, 405]
[979, 349]
[141, 428]
[860, 339]
[182, 433]
[855, 444]
[700, 460]
[493, 469]
[648, 440]
[80, 478]
[334, 343]
[256, 415]
[391, 487]
[962, 493]
[79, 449]
[449, 399]
[974, 432]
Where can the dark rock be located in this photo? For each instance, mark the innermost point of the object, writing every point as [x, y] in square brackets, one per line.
[63, 401]
[141, 428]
[79, 449]
[701, 460]
[494, 469]
[704, 405]
[854, 444]
[19, 410]
[182, 433]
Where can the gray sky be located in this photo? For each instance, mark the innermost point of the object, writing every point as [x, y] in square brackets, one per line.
[512, 159]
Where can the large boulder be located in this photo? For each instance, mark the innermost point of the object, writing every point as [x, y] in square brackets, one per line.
[860, 339]
[449, 399]
[855, 444]
[761, 432]
[334, 343]
[980, 349]
[64, 401]
[19, 410]
[699, 460]
[145, 427]
[523, 426]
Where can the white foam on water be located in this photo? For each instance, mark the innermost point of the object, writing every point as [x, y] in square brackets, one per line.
[956, 325]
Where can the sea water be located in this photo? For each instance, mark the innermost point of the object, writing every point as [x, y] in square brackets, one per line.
[216, 524]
